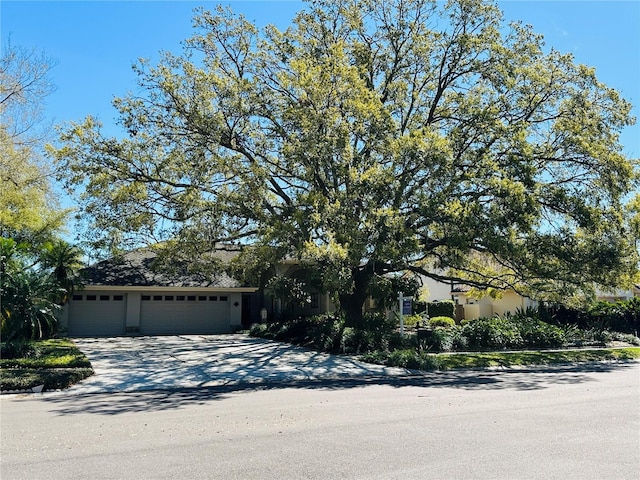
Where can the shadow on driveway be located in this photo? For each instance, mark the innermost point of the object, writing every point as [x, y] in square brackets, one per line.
[522, 379]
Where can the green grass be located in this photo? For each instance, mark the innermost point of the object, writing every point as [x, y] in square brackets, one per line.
[54, 363]
[509, 359]
[451, 361]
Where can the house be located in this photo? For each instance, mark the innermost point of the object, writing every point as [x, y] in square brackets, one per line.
[469, 308]
[617, 295]
[319, 301]
[125, 295]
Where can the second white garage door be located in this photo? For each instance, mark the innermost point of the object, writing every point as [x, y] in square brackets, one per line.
[184, 314]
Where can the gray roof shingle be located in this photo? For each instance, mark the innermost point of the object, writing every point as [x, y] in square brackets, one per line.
[140, 268]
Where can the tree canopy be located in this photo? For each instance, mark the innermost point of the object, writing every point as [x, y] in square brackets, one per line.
[28, 208]
[370, 137]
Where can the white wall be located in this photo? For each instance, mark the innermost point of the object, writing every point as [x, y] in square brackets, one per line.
[437, 290]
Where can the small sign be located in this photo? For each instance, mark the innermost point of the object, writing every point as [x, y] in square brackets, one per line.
[406, 306]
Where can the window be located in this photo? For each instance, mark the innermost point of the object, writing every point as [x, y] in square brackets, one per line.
[104, 298]
[191, 298]
[180, 298]
[224, 298]
[168, 298]
[118, 298]
[77, 297]
[91, 297]
[202, 298]
[146, 297]
[213, 298]
[315, 300]
[157, 297]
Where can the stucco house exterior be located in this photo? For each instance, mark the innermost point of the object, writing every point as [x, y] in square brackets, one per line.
[470, 308]
[125, 295]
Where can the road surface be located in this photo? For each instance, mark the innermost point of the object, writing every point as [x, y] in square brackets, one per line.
[543, 423]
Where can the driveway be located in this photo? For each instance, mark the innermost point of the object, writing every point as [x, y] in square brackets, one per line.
[129, 364]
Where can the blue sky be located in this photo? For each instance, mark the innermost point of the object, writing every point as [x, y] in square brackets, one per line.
[96, 43]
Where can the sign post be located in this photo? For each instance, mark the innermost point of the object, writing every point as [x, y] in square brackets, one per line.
[404, 304]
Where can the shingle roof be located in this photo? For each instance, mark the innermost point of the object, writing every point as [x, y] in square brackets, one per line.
[139, 268]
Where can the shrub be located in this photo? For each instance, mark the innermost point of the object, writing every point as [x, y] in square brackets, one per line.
[413, 360]
[406, 358]
[442, 321]
[444, 339]
[443, 308]
[411, 321]
[536, 333]
[260, 330]
[18, 349]
[324, 332]
[357, 340]
[397, 341]
[492, 333]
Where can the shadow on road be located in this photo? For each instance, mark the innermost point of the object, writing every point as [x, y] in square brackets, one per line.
[521, 379]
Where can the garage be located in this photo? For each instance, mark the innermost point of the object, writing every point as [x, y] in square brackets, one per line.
[188, 313]
[94, 314]
[131, 295]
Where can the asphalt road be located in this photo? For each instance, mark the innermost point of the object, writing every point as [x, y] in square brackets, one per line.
[563, 422]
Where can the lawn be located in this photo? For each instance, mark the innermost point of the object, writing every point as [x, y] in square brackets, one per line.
[409, 358]
[54, 363]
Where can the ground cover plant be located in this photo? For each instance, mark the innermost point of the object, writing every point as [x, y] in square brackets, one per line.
[53, 363]
[412, 359]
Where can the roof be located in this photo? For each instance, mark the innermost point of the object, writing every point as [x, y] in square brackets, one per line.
[141, 268]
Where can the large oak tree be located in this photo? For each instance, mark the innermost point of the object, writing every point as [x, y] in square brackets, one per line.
[370, 137]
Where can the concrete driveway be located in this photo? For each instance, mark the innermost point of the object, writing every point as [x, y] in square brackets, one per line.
[129, 364]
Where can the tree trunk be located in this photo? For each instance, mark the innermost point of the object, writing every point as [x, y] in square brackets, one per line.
[351, 304]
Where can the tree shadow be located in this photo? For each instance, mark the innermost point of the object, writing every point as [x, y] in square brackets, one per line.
[519, 379]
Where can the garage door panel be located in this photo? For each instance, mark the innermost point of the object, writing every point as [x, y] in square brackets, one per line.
[97, 315]
[196, 316]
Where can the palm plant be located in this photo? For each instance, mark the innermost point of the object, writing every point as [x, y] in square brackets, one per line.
[28, 305]
[64, 261]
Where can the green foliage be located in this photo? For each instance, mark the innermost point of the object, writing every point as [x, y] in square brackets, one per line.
[17, 349]
[28, 309]
[292, 292]
[428, 361]
[621, 316]
[63, 260]
[29, 210]
[492, 334]
[384, 290]
[325, 332]
[52, 379]
[33, 287]
[411, 321]
[371, 142]
[443, 308]
[537, 334]
[445, 322]
[54, 363]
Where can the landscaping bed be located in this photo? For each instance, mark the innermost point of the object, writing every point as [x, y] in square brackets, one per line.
[513, 340]
[53, 364]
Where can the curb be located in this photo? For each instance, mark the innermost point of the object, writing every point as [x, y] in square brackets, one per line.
[36, 389]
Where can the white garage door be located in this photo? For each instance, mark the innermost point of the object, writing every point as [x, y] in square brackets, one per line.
[96, 315]
[184, 314]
